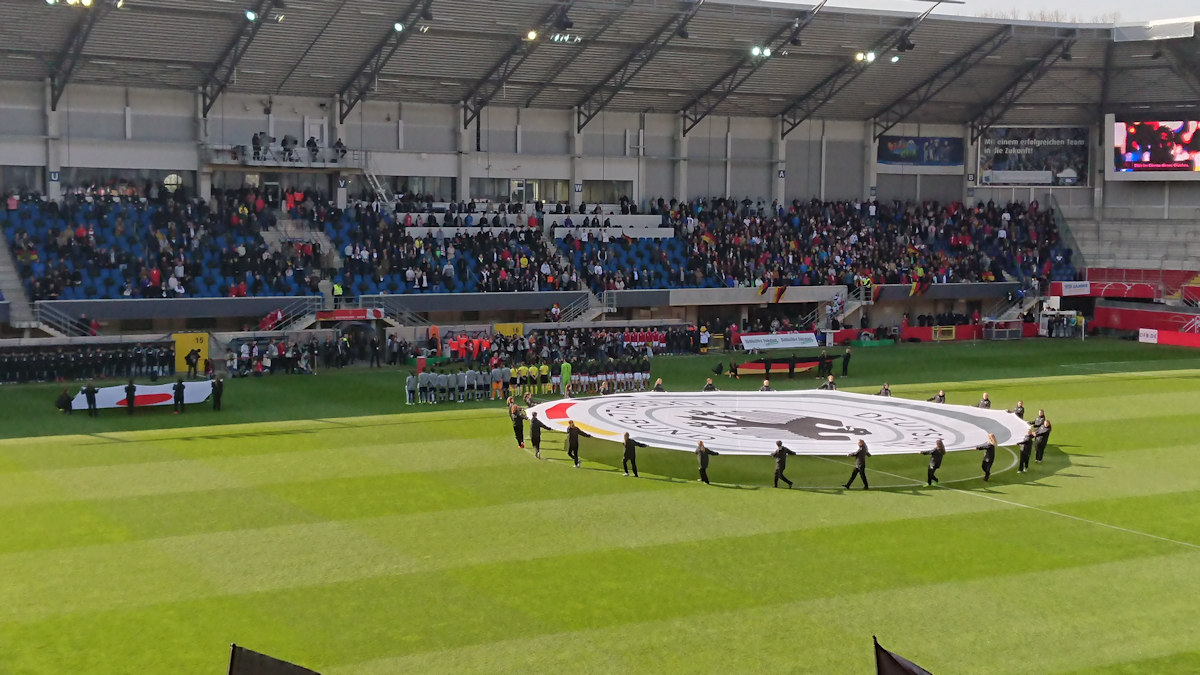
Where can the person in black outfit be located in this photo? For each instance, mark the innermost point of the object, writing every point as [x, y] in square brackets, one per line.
[766, 386]
[708, 385]
[89, 392]
[886, 391]
[130, 395]
[1019, 410]
[535, 434]
[1026, 451]
[518, 420]
[1043, 437]
[63, 402]
[178, 389]
[629, 460]
[658, 385]
[846, 363]
[218, 389]
[781, 454]
[791, 366]
[935, 461]
[573, 434]
[939, 398]
[828, 384]
[703, 453]
[985, 402]
[860, 465]
[989, 456]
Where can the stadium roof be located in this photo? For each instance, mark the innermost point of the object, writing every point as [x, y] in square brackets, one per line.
[626, 55]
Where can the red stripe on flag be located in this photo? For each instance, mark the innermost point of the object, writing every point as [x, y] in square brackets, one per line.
[146, 399]
[558, 411]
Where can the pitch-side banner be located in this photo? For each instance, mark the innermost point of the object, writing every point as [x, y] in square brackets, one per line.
[809, 422]
[778, 340]
[145, 395]
[1034, 156]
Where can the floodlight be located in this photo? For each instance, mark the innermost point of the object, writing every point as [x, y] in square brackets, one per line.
[895, 58]
[756, 50]
[531, 35]
[870, 57]
[860, 56]
[766, 52]
[251, 15]
[398, 27]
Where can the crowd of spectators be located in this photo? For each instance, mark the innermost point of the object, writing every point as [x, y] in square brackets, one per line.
[726, 243]
[120, 247]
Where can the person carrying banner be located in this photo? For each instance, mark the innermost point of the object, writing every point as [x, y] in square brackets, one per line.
[708, 385]
[985, 402]
[573, 434]
[1026, 451]
[860, 456]
[64, 402]
[940, 397]
[989, 456]
[828, 384]
[218, 390]
[518, 420]
[846, 363]
[935, 461]
[535, 434]
[1043, 437]
[178, 389]
[766, 386]
[1019, 410]
[629, 459]
[89, 393]
[781, 454]
[702, 454]
[130, 396]
[886, 391]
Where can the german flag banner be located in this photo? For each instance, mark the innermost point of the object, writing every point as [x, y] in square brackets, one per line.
[762, 290]
[919, 287]
[779, 291]
[708, 238]
[875, 291]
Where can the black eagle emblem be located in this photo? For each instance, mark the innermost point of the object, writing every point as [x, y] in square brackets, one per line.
[774, 424]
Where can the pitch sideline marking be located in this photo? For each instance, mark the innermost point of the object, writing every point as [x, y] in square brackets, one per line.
[1048, 511]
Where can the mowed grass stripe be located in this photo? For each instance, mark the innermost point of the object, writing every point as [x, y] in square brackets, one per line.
[994, 625]
[910, 551]
[233, 440]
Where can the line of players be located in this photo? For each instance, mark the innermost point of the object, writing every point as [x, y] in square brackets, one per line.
[444, 385]
[60, 364]
[1036, 439]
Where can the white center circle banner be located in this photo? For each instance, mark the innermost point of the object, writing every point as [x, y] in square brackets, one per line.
[808, 422]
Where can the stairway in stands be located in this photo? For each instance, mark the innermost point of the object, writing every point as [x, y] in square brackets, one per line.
[20, 311]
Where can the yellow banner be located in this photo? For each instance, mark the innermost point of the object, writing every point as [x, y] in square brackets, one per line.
[186, 342]
[509, 329]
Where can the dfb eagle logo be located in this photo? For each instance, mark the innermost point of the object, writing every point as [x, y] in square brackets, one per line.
[772, 424]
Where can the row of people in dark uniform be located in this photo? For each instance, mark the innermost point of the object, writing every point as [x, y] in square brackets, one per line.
[83, 362]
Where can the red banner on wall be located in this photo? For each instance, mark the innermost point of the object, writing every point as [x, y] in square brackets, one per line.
[350, 315]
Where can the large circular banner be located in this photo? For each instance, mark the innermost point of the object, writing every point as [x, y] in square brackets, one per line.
[808, 422]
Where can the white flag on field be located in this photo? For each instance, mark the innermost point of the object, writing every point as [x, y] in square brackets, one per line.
[145, 395]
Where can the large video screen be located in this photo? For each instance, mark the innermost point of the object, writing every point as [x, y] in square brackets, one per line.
[1150, 146]
[1051, 156]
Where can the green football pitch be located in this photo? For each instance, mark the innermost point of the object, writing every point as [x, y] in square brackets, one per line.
[320, 520]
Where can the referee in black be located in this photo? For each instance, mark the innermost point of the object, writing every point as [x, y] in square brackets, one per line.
[860, 465]
[629, 460]
[989, 456]
[573, 434]
[535, 434]
[781, 454]
[935, 461]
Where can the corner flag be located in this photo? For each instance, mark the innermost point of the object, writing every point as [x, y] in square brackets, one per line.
[887, 663]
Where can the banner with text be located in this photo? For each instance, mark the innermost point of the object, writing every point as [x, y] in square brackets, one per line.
[920, 151]
[779, 340]
[1053, 156]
